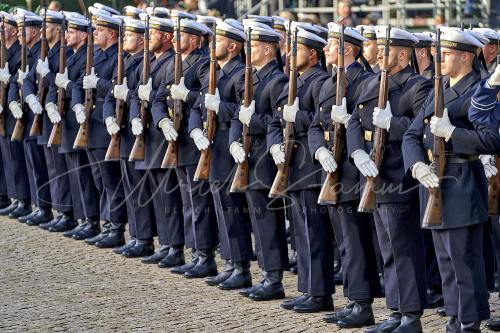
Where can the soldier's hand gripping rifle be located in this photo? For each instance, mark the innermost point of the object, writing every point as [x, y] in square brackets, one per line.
[82, 137]
[240, 180]
[203, 168]
[367, 202]
[280, 183]
[3, 86]
[17, 134]
[36, 127]
[113, 152]
[172, 153]
[138, 151]
[55, 134]
[494, 182]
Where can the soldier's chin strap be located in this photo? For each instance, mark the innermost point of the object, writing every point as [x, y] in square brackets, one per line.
[278, 58]
[363, 60]
[322, 59]
[414, 61]
[476, 64]
[482, 60]
[243, 55]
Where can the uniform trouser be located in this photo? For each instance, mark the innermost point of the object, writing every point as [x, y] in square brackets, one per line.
[314, 240]
[234, 223]
[359, 263]
[167, 203]
[338, 245]
[489, 254]
[268, 224]
[59, 180]
[401, 245]
[460, 257]
[82, 182]
[203, 229]
[431, 265]
[37, 167]
[496, 242]
[19, 173]
[108, 173]
[7, 166]
[3, 183]
[288, 215]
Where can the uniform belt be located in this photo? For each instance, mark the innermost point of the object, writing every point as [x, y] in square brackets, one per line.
[223, 126]
[461, 158]
[99, 100]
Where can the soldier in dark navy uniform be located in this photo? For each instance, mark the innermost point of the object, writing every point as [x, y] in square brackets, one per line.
[423, 55]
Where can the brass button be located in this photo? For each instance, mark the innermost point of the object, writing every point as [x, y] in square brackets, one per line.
[320, 109]
[168, 86]
[425, 136]
[279, 108]
[360, 106]
[426, 121]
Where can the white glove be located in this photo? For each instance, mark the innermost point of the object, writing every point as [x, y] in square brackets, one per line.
[277, 153]
[90, 81]
[236, 150]
[168, 129]
[79, 110]
[42, 67]
[120, 91]
[62, 80]
[494, 79]
[1, 109]
[179, 91]
[15, 109]
[22, 75]
[54, 116]
[339, 113]
[489, 169]
[364, 163]
[34, 104]
[423, 173]
[137, 127]
[290, 111]
[5, 74]
[441, 126]
[325, 158]
[144, 91]
[111, 125]
[199, 139]
[246, 113]
[212, 102]
[382, 117]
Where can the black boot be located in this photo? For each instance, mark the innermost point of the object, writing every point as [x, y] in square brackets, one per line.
[66, 222]
[410, 323]
[315, 304]
[453, 325]
[293, 259]
[90, 228]
[4, 202]
[250, 290]
[115, 238]
[23, 208]
[472, 327]
[441, 311]
[106, 228]
[290, 303]
[222, 276]
[271, 289]
[205, 266]
[187, 266]
[240, 277]
[156, 257]
[493, 324]
[339, 277]
[141, 248]
[24, 218]
[10, 208]
[81, 225]
[334, 317]
[175, 257]
[360, 316]
[388, 325]
[127, 245]
[43, 215]
[51, 223]
[434, 298]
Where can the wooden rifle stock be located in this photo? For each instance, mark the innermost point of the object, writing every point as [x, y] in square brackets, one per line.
[328, 194]
[3, 87]
[240, 180]
[36, 127]
[18, 132]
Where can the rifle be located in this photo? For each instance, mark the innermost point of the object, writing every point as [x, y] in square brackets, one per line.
[172, 153]
[55, 134]
[288, 46]
[240, 180]
[17, 134]
[367, 202]
[494, 182]
[82, 137]
[138, 151]
[328, 194]
[280, 183]
[203, 168]
[113, 152]
[3, 87]
[36, 127]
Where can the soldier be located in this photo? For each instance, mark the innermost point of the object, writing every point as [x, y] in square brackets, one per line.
[4, 193]
[370, 47]
[267, 216]
[458, 238]
[234, 222]
[490, 49]
[484, 109]
[424, 57]
[396, 211]
[279, 25]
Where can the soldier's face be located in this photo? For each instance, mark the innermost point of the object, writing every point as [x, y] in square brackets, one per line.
[186, 40]
[393, 57]
[221, 47]
[53, 31]
[260, 52]
[75, 37]
[331, 51]
[30, 34]
[451, 61]
[102, 35]
[132, 41]
[304, 57]
[157, 39]
[370, 51]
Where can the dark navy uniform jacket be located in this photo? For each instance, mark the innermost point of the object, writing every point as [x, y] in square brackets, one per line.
[484, 108]
[75, 65]
[194, 70]
[230, 81]
[268, 83]
[321, 131]
[105, 62]
[14, 59]
[407, 93]
[156, 145]
[132, 71]
[303, 173]
[464, 186]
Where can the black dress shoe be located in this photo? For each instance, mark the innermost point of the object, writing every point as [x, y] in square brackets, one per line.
[361, 315]
[130, 243]
[250, 290]
[441, 311]
[10, 208]
[334, 317]
[453, 325]
[240, 277]
[493, 324]
[139, 250]
[97, 238]
[4, 201]
[23, 208]
[65, 223]
[434, 298]
[388, 325]
[114, 238]
[174, 258]
[290, 303]
[78, 228]
[222, 276]
[90, 228]
[24, 218]
[410, 323]
[47, 225]
[186, 267]
[272, 287]
[294, 270]
[156, 257]
[315, 304]
[43, 216]
[472, 327]
[205, 266]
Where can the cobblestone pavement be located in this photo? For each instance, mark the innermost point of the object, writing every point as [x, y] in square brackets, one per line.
[53, 284]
